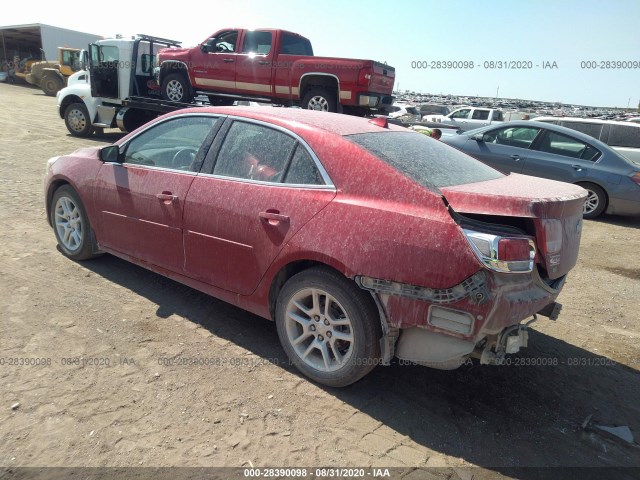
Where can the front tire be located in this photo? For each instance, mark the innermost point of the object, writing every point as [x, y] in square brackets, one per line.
[320, 99]
[51, 85]
[596, 201]
[76, 118]
[176, 88]
[71, 225]
[329, 328]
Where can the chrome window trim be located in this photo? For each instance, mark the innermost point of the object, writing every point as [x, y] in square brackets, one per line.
[330, 188]
[152, 167]
[323, 172]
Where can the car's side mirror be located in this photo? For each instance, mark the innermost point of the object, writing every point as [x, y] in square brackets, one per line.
[204, 47]
[110, 154]
[478, 137]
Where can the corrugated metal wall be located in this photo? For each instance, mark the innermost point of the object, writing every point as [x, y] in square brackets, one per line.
[54, 37]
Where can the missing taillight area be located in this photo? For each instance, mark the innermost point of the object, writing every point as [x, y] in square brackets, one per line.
[506, 254]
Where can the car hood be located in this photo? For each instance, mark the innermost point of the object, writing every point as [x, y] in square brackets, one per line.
[554, 207]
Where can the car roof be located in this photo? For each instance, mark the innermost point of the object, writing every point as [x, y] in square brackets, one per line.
[298, 120]
[586, 120]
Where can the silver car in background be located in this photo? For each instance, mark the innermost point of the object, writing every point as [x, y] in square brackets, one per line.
[549, 151]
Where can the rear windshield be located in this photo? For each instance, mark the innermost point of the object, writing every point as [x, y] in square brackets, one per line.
[425, 160]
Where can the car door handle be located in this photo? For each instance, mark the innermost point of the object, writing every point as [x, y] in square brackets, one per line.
[515, 157]
[263, 62]
[273, 217]
[577, 167]
[166, 197]
[228, 60]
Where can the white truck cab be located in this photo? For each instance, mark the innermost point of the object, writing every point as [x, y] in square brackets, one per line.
[117, 69]
[468, 118]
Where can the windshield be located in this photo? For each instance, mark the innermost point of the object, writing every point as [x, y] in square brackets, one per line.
[425, 160]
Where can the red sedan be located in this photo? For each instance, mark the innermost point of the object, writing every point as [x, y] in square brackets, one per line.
[362, 240]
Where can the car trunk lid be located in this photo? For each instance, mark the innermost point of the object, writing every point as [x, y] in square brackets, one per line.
[555, 209]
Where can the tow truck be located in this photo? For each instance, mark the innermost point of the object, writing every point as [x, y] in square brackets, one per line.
[115, 87]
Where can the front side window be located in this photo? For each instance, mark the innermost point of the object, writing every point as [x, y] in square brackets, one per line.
[480, 115]
[257, 42]
[254, 152]
[223, 43]
[172, 144]
[108, 54]
[521, 137]
[461, 113]
[560, 144]
[428, 162]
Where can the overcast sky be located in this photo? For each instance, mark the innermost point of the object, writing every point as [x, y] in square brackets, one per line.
[402, 32]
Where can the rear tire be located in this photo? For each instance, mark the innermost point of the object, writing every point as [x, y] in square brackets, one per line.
[329, 328]
[596, 201]
[321, 99]
[71, 225]
[76, 118]
[176, 88]
[51, 84]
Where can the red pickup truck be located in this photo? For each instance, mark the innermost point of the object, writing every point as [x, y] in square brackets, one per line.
[274, 66]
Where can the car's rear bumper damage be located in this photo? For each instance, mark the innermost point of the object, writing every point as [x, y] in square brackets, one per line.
[481, 317]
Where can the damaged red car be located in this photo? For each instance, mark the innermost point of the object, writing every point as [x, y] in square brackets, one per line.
[363, 241]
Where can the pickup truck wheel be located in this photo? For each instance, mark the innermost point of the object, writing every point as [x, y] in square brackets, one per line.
[176, 88]
[71, 225]
[329, 328]
[320, 99]
[596, 200]
[51, 85]
[76, 118]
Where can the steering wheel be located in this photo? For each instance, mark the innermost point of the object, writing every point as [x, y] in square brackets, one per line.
[183, 158]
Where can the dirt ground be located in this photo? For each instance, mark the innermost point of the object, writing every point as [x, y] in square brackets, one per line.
[100, 394]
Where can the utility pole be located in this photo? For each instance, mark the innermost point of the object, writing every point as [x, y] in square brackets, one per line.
[497, 91]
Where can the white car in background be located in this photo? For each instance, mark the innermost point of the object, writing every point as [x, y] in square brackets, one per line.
[402, 111]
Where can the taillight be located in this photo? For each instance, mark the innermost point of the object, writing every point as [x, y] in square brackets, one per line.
[636, 178]
[551, 241]
[513, 249]
[503, 254]
[364, 76]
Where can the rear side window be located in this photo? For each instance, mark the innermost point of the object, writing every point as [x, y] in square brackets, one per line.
[623, 136]
[295, 45]
[428, 162]
[303, 170]
[254, 152]
[560, 144]
[592, 129]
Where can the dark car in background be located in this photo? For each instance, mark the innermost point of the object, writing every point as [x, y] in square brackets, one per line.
[550, 151]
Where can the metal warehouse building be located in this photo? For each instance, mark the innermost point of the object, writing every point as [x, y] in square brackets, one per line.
[26, 41]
